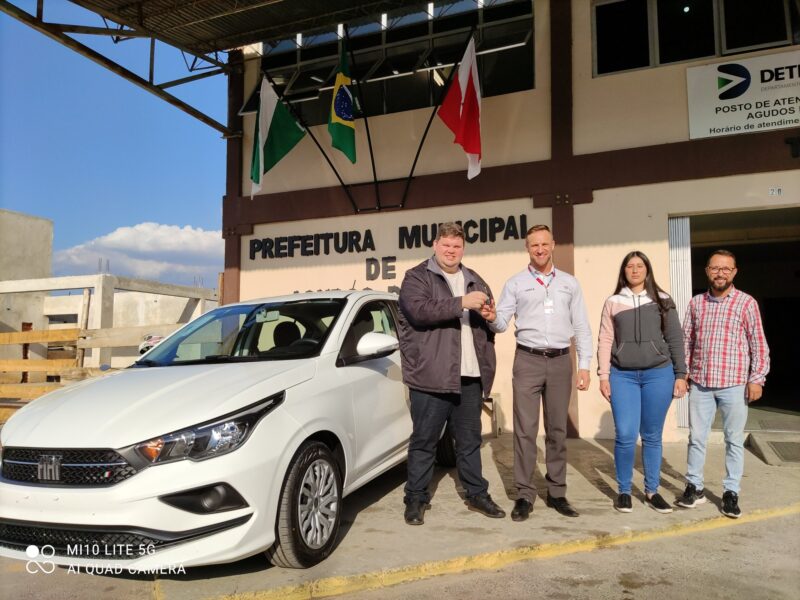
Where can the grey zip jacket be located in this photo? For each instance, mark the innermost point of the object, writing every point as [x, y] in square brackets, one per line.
[430, 331]
[631, 337]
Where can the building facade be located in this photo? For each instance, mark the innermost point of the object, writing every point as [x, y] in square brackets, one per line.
[612, 143]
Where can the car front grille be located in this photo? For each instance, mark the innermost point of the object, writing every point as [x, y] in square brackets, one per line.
[105, 542]
[121, 545]
[72, 467]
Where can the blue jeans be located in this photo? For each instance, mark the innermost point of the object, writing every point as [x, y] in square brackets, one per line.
[640, 400]
[703, 404]
[429, 413]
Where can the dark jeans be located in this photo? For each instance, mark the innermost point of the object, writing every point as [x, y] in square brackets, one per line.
[429, 413]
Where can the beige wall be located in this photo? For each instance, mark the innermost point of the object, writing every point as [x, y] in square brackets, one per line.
[515, 128]
[635, 218]
[631, 109]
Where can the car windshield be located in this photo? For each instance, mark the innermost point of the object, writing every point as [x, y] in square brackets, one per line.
[269, 331]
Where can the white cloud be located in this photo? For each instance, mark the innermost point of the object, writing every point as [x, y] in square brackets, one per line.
[166, 253]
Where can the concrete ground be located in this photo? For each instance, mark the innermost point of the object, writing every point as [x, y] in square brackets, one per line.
[621, 555]
[752, 560]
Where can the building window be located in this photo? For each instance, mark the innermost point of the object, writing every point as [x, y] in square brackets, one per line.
[621, 36]
[755, 25]
[634, 34]
[402, 59]
[685, 30]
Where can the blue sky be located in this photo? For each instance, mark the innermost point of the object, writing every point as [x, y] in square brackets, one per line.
[122, 174]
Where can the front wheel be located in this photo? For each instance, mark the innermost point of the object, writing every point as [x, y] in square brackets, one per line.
[310, 509]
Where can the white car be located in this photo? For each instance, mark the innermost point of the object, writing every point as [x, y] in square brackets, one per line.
[239, 433]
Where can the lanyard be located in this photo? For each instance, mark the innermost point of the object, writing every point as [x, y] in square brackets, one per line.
[546, 286]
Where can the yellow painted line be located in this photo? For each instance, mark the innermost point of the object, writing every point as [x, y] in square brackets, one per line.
[158, 593]
[335, 586]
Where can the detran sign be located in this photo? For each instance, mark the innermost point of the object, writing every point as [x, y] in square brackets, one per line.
[756, 94]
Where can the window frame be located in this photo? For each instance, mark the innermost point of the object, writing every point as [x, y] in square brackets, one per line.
[720, 43]
[288, 70]
[387, 309]
[725, 51]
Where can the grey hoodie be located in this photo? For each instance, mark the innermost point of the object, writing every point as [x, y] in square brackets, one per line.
[631, 337]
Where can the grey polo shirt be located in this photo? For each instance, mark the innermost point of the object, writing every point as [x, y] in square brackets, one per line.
[546, 316]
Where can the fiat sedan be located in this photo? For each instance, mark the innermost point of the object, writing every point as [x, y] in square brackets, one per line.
[240, 433]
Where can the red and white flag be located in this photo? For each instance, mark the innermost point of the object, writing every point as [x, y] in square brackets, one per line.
[461, 110]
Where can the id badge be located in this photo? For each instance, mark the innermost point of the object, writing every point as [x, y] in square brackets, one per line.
[548, 306]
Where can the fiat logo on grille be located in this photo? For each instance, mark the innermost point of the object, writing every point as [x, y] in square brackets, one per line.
[49, 467]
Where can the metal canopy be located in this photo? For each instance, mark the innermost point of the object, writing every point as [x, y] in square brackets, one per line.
[216, 25]
[201, 29]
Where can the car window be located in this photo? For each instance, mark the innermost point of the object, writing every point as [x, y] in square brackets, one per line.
[373, 317]
[280, 330]
[275, 334]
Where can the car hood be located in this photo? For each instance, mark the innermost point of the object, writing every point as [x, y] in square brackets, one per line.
[134, 405]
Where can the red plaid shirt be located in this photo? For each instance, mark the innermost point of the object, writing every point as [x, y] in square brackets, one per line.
[724, 339]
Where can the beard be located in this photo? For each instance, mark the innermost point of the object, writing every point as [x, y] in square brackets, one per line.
[721, 285]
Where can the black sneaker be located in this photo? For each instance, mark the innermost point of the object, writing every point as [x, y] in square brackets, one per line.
[691, 497]
[730, 505]
[658, 504]
[624, 503]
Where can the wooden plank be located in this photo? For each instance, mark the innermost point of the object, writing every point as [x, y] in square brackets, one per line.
[38, 365]
[124, 336]
[7, 409]
[58, 354]
[40, 336]
[26, 391]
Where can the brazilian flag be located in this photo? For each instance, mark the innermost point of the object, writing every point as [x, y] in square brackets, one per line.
[340, 121]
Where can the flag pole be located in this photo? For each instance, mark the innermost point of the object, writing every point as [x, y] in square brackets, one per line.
[302, 122]
[443, 93]
[366, 121]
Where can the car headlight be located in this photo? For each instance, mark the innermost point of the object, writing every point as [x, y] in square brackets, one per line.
[208, 439]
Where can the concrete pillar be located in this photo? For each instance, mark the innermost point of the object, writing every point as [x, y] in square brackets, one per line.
[102, 316]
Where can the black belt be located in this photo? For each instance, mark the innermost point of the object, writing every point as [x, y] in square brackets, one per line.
[546, 352]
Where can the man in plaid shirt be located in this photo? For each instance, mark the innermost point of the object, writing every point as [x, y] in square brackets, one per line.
[728, 361]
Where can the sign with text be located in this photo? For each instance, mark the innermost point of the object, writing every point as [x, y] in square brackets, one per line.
[374, 250]
[743, 96]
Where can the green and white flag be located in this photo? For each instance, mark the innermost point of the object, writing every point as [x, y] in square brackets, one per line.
[276, 133]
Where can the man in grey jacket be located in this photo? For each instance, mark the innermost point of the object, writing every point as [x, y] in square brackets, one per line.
[448, 364]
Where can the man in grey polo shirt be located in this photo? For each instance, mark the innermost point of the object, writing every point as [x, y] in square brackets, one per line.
[549, 311]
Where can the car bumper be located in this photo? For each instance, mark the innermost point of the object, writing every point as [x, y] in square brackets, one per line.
[127, 525]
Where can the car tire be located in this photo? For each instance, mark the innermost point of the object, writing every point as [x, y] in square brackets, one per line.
[310, 509]
[446, 449]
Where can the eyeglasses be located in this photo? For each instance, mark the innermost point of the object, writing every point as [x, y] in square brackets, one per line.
[723, 270]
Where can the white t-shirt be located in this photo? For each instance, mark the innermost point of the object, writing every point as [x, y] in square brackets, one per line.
[469, 359]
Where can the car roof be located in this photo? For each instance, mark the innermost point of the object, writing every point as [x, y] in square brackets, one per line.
[352, 295]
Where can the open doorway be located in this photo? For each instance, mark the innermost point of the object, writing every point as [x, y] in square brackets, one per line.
[767, 248]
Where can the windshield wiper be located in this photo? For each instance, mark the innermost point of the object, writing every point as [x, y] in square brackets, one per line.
[147, 362]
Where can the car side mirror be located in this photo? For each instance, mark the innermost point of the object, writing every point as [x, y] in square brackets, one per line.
[372, 344]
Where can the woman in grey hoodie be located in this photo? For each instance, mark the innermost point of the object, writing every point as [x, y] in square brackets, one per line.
[642, 367]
